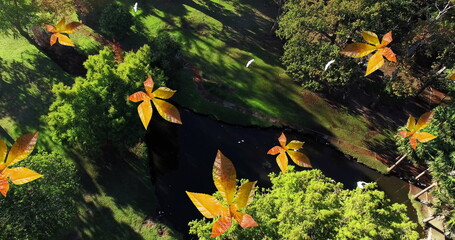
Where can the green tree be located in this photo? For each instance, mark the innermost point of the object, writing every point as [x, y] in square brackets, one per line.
[316, 31]
[308, 205]
[94, 114]
[45, 208]
[439, 154]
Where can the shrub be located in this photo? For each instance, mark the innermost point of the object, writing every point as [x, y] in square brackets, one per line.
[115, 21]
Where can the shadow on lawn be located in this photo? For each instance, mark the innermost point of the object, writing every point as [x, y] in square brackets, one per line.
[25, 88]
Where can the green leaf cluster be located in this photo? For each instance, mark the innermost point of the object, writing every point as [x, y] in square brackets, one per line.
[308, 205]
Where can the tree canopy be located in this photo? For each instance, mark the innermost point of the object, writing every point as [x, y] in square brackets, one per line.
[308, 205]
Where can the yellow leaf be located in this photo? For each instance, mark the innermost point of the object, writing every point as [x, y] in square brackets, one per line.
[167, 111]
[282, 161]
[376, 61]
[208, 205]
[53, 39]
[452, 76]
[244, 195]
[164, 93]
[423, 121]
[22, 148]
[21, 175]
[145, 111]
[370, 37]
[61, 24]
[299, 158]
[64, 40]
[294, 144]
[282, 140]
[411, 124]
[358, 50]
[71, 27]
[424, 136]
[386, 39]
[224, 176]
[404, 134]
[413, 142]
[3, 151]
[51, 28]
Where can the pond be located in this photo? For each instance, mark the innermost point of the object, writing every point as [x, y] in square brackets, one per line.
[182, 159]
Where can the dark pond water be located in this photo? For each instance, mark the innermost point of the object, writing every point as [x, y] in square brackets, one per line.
[182, 159]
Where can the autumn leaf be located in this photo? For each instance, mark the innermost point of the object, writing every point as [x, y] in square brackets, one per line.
[290, 149]
[224, 177]
[19, 151]
[452, 76]
[166, 110]
[358, 50]
[60, 28]
[413, 129]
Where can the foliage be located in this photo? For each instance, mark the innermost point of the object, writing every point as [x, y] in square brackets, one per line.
[315, 30]
[439, 154]
[94, 112]
[115, 21]
[16, 16]
[224, 177]
[414, 130]
[308, 205]
[165, 50]
[358, 50]
[60, 28]
[19, 151]
[45, 208]
[145, 109]
[291, 149]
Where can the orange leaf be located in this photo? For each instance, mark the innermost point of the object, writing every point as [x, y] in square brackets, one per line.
[71, 27]
[389, 54]
[282, 140]
[167, 111]
[148, 85]
[224, 176]
[244, 195]
[21, 175]
[299, 158]
[245, 220]
[208, 205]
[21, 148]
[423, 121]
[145, 111]
[275, 150]
[4, 185]
[357, 50]
[376, 61]
[282, 161]
[51, 28]
[3, 151]
[404, 134]
[413, 142]
[138, 96]
[64, 40]
[221, 225]
[386, 39]
[424, 136]
[164, 93]
[294, 144]
[370, 37]
[411, 123]
[53, 39]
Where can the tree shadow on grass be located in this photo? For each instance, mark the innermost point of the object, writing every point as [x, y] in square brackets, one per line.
[26, 88]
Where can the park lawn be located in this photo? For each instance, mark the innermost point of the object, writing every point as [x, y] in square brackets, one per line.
[116, 198]
[220, 37]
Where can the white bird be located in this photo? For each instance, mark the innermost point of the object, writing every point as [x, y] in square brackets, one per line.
[328, 65]
[135, 7]
[361, 184]
[249, 62]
